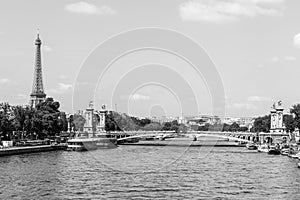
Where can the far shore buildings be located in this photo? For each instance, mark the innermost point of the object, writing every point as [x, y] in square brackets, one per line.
[201, 120]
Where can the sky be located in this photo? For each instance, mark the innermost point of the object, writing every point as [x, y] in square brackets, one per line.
[254, 45]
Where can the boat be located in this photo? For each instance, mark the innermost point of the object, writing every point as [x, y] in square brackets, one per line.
[285, 152]
[251, 146]
[297, 155]
[86, 143]
[274, 150]
[263, 148]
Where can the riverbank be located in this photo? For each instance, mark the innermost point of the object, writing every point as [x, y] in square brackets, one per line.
[30, 149]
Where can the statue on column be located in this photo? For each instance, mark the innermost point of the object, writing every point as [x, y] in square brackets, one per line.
[91, 104]
[279, 103]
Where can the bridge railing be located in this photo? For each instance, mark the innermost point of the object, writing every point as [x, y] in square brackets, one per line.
[139, 132]
[223, 132]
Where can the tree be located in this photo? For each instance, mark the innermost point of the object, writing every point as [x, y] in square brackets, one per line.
[234, 127]
[295, 110]
[110, 123]
[226, 127]
[28, 122]
[216, 127]
[289, 122]
[182, 128]
[5, 126]
[167, 126]
[144, 122]
[262, 124]
[140, 122]
[78, 122]
[47, 119]
[204, 128]
[171, 126]
[40, 122]
[153, 126]
[243, 129]
[63, 121]
[96, 120]
[6, 118]
[19, 118]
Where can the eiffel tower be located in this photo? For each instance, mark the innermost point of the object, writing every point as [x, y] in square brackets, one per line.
[37, 95]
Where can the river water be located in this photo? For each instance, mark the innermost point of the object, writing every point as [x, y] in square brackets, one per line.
[147, 172]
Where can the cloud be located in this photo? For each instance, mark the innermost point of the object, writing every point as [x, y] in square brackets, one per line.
[268, 1]
[297, 40]
[63, 76]
[138, 97]
[47, 48]
[85, 83]
[250, 103]
[275, 59]
[89, 9]
[54, 91]
[22, 96]
[4, 81]
[245, 106]
[259, 99]
[290, 58]
[260, 65]
[62, 88]
[226, 11]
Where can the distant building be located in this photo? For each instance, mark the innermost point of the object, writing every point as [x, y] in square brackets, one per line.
[181, 120]
[245, 121]
[229, 120]
[163, 119]
[241, 121]
[201, 120]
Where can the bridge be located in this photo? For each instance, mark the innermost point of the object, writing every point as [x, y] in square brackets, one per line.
[127, 135]
[239, 136]
[235, 136]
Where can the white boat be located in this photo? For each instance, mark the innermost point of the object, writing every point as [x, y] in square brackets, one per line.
[86, 143]
[263, 148]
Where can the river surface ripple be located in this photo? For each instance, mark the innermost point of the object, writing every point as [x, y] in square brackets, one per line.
[130, 172]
